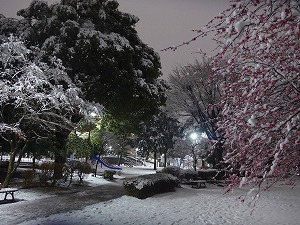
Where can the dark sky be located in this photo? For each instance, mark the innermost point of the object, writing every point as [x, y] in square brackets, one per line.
[163, 23]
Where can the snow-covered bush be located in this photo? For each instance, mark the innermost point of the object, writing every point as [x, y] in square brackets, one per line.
[75, 167]
[173, 170]
[46, 174]
[109, 174]
[213, 174]
[148, 185]
[182, 174]
[207, 174]
[188, 174]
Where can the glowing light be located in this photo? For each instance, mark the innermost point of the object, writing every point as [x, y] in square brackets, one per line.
[194, 136]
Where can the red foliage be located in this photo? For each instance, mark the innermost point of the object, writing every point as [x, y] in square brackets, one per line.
[261, 95]
[261, 101]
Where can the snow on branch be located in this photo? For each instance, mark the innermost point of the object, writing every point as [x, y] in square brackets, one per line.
[34, 92]
[259, 41]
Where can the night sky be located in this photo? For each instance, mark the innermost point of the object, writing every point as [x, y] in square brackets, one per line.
[163, 23]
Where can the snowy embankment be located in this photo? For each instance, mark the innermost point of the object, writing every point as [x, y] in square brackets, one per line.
[210, 205]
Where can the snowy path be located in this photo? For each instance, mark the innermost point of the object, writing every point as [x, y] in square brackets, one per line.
[104, 202]
[187, 206]
[35, 204]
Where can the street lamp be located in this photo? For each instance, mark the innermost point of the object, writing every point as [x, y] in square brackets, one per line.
[194, 136]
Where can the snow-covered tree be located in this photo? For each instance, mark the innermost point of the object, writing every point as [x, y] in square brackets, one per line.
[157, 136]
[262, 89]
[102, 52]
[200, 149]
[35, 98]
[179, 150]
[119, 145]
[194, 96]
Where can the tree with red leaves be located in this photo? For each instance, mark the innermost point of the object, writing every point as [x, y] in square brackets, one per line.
[261, 91]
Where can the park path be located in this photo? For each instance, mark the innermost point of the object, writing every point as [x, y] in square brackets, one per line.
[60, 201]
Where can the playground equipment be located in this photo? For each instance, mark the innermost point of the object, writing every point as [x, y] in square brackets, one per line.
[104, 164]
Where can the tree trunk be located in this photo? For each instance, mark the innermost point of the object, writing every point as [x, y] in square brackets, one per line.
[195, 164]
[165, 159]
[120, 158]
[15, 149]
[96, 168]
[218, 153]
[61, 156]
[18, 162]
[10, 169]
[59, 162]
[194, 159]
[33, 163]
[155, 155]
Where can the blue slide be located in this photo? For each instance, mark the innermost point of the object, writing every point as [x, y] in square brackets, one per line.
[104, 164]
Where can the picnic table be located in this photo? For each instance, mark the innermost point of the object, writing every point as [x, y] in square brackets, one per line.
[198, 184]
[9, 191]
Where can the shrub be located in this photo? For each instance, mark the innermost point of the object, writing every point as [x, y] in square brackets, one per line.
[28, 176]
[76, 167]
[213, 174]
[83, 169]
[4, 164]
[182, 174]
[207, 174]
[46, 171]
[188, 174]
[109, 174]
[148, 185]
[173, 170]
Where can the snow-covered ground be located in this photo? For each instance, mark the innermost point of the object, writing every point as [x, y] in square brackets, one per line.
[279, 206]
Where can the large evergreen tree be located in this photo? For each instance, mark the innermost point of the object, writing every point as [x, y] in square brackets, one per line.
[104, 56]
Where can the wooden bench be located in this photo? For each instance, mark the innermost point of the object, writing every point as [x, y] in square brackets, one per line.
[9, 191]
[198, 184]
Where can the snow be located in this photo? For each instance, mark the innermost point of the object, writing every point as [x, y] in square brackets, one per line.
[243, 181]
[252, 121]
[186, 205]
[240, 25]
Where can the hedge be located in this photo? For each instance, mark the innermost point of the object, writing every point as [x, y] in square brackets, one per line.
[148, 185]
